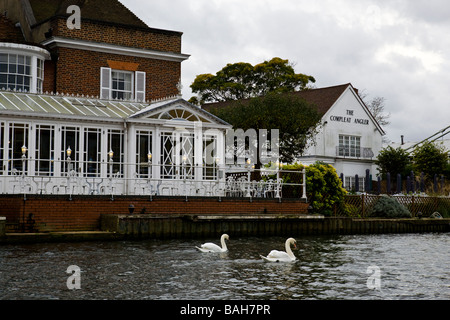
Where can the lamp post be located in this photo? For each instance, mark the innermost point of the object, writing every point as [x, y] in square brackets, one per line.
[111, 162]
[111, 155]
[184, 166]
[24, 158]
[69, 153]
[149, 158]
[69, 164]
[150, 173]
[249, 167]
[217, 163]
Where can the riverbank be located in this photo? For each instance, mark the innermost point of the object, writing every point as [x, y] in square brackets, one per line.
[138, 227]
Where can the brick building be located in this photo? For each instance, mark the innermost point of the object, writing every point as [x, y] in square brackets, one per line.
[90, 104]
[113, 54]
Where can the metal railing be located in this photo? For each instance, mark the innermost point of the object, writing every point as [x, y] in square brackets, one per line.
[118, 178]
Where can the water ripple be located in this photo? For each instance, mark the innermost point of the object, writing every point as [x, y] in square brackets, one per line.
[413, 266]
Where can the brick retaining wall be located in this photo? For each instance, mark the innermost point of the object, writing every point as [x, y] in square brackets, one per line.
[82, 213]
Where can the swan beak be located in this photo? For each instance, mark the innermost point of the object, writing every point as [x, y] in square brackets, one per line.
[295, 246]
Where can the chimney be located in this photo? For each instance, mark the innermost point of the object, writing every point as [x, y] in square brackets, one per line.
[403, 142]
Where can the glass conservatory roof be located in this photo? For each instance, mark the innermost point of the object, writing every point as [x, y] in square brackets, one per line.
[68, 105]
[46, 105]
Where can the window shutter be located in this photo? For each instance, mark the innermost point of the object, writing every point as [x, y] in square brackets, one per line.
[140, 86]
[105, 83]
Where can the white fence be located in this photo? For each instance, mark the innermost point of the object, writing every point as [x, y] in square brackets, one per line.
[208, 181]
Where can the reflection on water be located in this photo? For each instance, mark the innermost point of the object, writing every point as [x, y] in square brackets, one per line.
[413, 266]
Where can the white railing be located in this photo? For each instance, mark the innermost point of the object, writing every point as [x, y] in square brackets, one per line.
[205, 181]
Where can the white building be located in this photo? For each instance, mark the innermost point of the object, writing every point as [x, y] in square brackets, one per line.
[54, 144]
[350, 138]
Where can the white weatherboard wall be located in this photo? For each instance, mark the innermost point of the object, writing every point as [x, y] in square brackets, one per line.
[348, 116]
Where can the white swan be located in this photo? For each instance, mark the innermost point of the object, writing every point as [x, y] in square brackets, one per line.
[211, 247]
[281, 256]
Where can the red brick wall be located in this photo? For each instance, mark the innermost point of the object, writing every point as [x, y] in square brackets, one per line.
[58, 213]
[153, 39]
[78, 71]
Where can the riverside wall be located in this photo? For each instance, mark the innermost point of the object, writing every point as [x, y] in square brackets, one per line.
[191, 226]
[58, 213]
[58, 218]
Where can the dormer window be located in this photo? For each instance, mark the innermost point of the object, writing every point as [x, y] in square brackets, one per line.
[22, 67]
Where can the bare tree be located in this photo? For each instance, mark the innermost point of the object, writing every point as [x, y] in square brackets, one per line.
[377, 106]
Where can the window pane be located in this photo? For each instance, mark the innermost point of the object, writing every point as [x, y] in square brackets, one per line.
[3, 80]
[12, 68]
[122, 85]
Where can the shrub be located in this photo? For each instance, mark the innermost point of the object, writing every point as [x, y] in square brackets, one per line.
[387, 207]
[323, 186]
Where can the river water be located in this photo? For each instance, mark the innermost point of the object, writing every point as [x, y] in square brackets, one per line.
[368, 267]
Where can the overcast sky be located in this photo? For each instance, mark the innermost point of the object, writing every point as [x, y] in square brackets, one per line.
[396, 49]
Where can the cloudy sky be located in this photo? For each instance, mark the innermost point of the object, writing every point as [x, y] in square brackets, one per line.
[396, 49]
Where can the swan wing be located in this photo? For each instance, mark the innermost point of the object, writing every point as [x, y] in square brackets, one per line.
[275, 254]
[210, 247]
[278, 256]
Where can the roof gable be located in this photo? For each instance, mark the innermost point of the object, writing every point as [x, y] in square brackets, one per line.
[328, 105]
[177, 110]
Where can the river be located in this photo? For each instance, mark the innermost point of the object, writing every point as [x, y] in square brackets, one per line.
[369, 267]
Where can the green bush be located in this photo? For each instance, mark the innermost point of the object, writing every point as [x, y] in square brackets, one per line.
[387, 207]
[323, 186]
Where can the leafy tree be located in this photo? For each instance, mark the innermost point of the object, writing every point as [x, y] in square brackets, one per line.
[430, 159]
[242, 81]
[393, 161]
[296, 120]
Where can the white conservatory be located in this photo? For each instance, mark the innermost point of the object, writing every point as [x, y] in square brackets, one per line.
[60, 144]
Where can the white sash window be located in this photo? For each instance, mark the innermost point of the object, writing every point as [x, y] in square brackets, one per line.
[118, 84]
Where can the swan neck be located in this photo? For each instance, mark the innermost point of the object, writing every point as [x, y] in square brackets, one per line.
[288, 249]
[224, 245]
